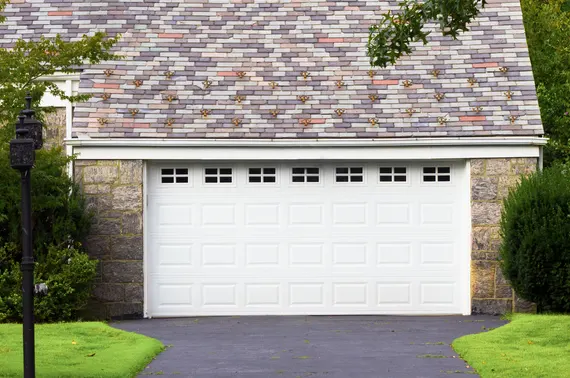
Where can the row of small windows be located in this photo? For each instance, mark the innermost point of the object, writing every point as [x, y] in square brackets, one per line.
[305, 175]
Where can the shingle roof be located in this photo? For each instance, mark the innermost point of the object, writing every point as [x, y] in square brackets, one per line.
[237, 71]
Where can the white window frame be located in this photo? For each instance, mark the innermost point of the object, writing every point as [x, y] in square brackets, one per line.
[218, 175]
[175, 175]
[393, 166]
[437, 174]
[350, 174]
[262, 175]
[305, 174]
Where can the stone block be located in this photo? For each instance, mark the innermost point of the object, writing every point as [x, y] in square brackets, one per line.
[97, 189]
[106, 226]
[500, 278]
[84, 163]
[495, 244]
[498, 167]
[127, 198]
[483, 279]
[523, 169]
[506, 183]
[524, 166]
[477, 167]
[98, 204]
[130, 172]
[484, 255]
[524, 306]
[100, 174]
[505, 292]
[491, 306]
[111, 214]
[481, 238]
[98, 247]
[114, 163]
[125, 310]
[134, 293]
[98, 273]
[484, 188]
[77, 174]
[132, 223]
[123, 271]
[109, 292]
[486, 213]
[127, 247]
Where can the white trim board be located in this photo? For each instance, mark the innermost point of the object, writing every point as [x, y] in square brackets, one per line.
[353, 142]
[217, 153]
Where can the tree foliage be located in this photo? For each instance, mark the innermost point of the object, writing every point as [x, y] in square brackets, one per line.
[59, 217]
[393, 35]
[547, 25]
[23, 66]
[535, 248]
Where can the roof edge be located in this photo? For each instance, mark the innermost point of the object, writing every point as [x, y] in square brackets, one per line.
[308, 143]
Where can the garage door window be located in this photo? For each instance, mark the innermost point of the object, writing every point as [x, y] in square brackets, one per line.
[262, 175]
[309, 174]
[218, 175]
[437, 174]
[393, 174]
[349, 174]
[174, 175]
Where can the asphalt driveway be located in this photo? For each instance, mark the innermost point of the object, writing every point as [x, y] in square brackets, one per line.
[310, 346]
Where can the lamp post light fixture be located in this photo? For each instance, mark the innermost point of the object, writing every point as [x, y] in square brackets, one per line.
[22, 158]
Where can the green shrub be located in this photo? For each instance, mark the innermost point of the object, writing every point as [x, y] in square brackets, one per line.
[535, 250]
[60, 224]
[58, 207]
[68, 274]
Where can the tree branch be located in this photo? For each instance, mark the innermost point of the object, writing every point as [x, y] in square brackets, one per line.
[392, 36]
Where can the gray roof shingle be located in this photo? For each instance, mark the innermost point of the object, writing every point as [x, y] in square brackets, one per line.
[237, 71]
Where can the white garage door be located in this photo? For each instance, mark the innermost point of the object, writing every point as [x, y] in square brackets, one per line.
[307, 238]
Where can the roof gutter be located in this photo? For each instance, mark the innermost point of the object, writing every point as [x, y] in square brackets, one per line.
[308, 143]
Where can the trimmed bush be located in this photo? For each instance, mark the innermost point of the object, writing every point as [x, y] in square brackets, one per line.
[535, 249]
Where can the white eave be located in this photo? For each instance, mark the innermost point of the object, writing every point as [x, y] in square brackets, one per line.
[307, 149]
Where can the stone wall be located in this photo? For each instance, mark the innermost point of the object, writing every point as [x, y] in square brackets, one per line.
[114, 192]
[491, 180]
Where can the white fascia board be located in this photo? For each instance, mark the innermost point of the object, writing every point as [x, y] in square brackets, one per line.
[304, 150]
[399, 142]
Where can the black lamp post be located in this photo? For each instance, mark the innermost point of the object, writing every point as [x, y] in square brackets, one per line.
[22, 157]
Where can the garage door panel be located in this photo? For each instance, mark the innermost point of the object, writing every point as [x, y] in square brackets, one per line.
[276, 255]
[283, 247]
[387, 217]
[395, 293]
[213, 296]
[438, 293]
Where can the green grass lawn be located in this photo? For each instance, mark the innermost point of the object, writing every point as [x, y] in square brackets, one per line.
[88, 349]
[536, 346]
